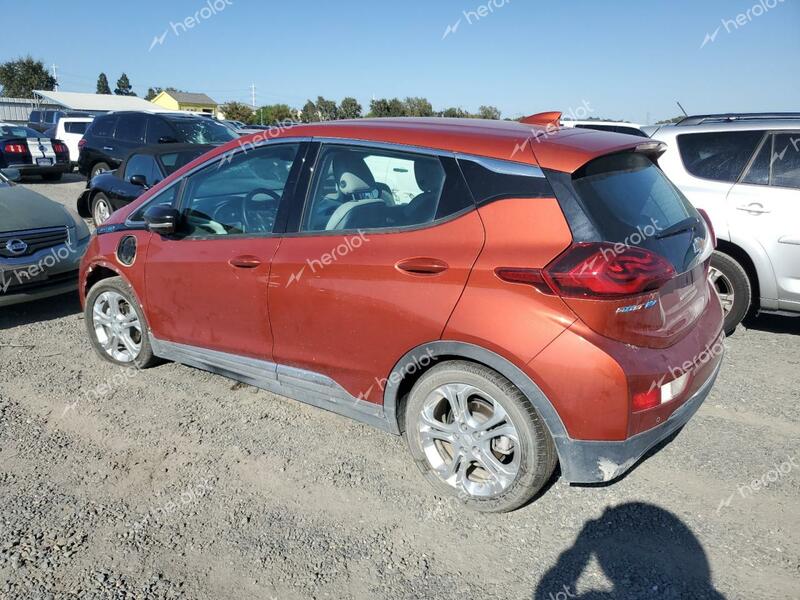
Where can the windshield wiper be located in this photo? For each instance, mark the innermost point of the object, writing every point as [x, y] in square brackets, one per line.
[685, 225]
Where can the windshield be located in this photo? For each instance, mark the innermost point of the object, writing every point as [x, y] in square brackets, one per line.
[202, 131]
[18, 131]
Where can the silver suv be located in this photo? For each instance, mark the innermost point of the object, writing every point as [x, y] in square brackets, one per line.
[744, 172]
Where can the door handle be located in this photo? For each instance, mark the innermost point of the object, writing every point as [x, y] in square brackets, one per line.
[245, 262]
[109, 148]
[422, 266]
[789, 239]
[755, 208]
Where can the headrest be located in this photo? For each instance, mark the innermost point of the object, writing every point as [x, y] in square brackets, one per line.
[352, 173]
[428, 173]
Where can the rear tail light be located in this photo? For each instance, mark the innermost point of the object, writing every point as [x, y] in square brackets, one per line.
[710, 226]
[16, 148]
[81, 142]
[607, 270]
[596, 269]
[59, 148]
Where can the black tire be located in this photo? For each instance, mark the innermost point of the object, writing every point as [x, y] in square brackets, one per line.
[98, 168]
[145, 358]
[97, 199]
[733, 280]
[537, 459]
[52, 176]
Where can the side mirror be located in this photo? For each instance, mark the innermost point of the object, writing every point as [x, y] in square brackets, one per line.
[139, 180]
[167, 139]
[163, 220]
[11, 174]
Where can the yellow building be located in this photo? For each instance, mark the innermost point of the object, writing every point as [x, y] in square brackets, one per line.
[187, 101]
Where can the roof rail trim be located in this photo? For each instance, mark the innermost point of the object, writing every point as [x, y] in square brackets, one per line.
[730, 117]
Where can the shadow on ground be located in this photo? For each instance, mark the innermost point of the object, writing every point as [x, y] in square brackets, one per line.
[643, 551]
[773, 324]
[39, 310]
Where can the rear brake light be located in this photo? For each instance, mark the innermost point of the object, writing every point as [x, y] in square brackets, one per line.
[606, 270]
[59, 148]
[533, 277]
[707, 219]
[16, 148]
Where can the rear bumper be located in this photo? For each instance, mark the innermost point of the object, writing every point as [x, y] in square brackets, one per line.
[37, 170]
[600, 461]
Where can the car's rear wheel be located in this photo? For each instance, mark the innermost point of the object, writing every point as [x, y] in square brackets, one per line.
[101, 209]
[733, 287]
[476, 437]
[98, 168]
[116, 324]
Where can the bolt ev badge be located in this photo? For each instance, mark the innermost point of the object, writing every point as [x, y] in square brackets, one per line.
[16, 247]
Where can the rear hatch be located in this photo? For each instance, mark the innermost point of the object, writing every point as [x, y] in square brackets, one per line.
[637, 269]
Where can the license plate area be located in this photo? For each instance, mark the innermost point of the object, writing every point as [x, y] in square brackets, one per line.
[12, 278]
[44, 162]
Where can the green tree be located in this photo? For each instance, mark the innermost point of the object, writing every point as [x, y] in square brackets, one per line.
[124, 87]
[20, 77]
[272, 114]
[384, 107]
[102, 84]
[672, 120]
[349, 108]
[458, 113]
[151, 93]
[237, 111]
[489, 112]
[327, 109]
[309, 114]
[418, 107]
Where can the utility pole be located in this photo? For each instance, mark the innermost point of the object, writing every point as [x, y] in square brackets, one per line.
[253, 92]
[55, 87]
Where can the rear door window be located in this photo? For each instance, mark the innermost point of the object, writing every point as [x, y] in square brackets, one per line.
[786, 160]
[103, 126]
[130, 128]
[718, 156]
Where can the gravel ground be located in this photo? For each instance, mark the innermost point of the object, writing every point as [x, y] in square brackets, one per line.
[176, 483]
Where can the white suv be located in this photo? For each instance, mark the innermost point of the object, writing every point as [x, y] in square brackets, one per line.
[744, 171]
[70, 130]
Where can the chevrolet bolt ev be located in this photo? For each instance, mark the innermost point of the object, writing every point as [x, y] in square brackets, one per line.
[509, 296]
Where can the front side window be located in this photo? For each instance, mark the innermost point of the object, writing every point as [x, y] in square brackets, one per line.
[172, 161]
[719, 156]
[202, 131]
[158, 129]
[165, 198]
[786, 160]
[368, 188]
[141, 164]
[239, 195]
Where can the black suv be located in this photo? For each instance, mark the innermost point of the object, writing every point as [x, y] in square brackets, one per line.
[111, 137]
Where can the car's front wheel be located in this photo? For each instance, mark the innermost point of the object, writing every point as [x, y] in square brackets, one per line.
[101, 209]
[477, 438]
[116, 324]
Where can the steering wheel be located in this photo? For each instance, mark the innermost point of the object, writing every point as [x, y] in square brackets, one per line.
[259, 215]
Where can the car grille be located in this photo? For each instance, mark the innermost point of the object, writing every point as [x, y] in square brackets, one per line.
[15, 285]
[36, 239]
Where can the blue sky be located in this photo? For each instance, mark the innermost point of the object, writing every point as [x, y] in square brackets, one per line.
[623, 59]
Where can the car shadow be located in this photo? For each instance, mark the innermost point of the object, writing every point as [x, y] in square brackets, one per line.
[642, 550]
[66, 178]
[773, 324]
[37, 311]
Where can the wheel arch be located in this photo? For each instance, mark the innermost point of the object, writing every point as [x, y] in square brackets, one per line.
[416, 362]
[742, 256]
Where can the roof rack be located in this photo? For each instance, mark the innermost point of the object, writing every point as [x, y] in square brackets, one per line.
[698, 119]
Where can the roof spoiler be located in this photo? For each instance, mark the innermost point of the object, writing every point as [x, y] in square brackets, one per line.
[544, 119]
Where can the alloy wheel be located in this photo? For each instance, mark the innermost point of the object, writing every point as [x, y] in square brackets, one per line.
[469, 440]
[724, 288]
[117, 327]
[102, 211]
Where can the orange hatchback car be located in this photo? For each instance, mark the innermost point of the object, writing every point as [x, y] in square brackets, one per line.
[510, 296]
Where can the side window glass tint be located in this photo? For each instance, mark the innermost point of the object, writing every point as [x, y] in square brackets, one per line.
[719, 156]
[104, 126]
[240, 195]
[369, 188]
[495, 179]
[140, 164]
[786, 160]
[158, 129]
[165, 198]
[130, 128]
[758, 173]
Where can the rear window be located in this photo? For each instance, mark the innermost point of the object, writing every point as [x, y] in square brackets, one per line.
[76, 127]
[630, 201]
[719, 156]
[615, 129]
[18, 131]
[202, 131]
[172, 161]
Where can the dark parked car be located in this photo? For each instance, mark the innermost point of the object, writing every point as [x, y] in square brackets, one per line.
[41, 244]
[141, 170]
[44, 120]
[112, 137]
[31, 153]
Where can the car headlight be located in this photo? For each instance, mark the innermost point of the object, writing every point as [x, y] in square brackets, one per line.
[82, 232]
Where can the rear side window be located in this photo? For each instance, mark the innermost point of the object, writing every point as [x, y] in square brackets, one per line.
[103, 126]
[786, 160]
[490, 179]
[76, 127]
[130, 128]
[719, 156]
[358, 188]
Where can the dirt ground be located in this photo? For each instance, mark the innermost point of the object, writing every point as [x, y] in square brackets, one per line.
[176, 483]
